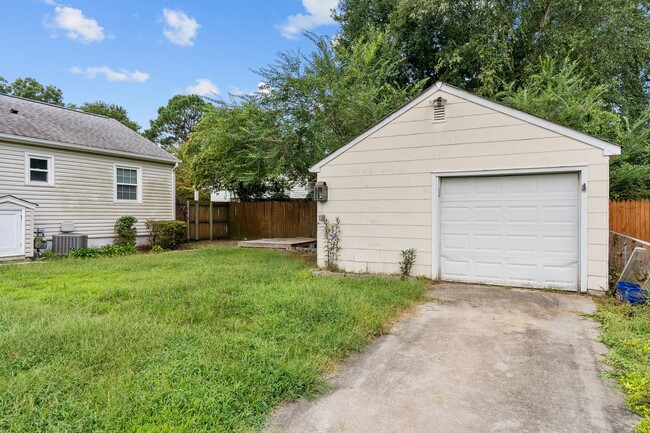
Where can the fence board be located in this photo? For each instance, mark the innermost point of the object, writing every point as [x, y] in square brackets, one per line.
[630, 218]
[254, 220]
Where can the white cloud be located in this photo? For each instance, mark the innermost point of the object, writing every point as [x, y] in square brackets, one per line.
[203, 87]
[92, 72]
[319, 13]
[179, 28]
[77, 26]
[263, 88]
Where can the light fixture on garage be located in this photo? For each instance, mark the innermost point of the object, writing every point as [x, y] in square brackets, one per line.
[439, 102]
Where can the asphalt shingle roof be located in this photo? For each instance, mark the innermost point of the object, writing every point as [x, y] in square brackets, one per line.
[38, 120]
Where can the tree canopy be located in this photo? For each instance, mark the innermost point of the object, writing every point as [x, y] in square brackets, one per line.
[114, 111]
[176, 121]
[483, 46]
[308, 106]
[30, 88]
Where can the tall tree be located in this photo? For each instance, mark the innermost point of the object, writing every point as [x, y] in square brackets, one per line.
[238, 148]
[483, 45]
[113, 111]
[31, 89]
[176, 121]
[308, 106]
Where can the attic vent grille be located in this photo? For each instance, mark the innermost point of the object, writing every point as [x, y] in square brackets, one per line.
[439, 115]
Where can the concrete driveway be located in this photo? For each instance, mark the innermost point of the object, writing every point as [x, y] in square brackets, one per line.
[474, 359]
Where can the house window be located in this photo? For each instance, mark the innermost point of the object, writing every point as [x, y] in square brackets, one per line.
[127, 184]
[39, 169]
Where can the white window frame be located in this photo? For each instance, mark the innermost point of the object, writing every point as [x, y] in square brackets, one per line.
[50, 169]
[139, 189]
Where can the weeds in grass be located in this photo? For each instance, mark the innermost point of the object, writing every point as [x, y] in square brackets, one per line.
[208, 340]
[407, 262]
[626, 330]
[332, 233]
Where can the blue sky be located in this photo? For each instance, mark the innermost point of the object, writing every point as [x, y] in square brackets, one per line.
[138, 54]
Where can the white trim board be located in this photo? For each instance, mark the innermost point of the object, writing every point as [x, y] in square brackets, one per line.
[81, 148]
[583, 179]
[15, 200]
[607, 147]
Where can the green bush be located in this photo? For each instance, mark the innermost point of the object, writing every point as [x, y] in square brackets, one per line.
[125, 231]
[105, 251]
[153, 231]
[168, 234]
[171, 234]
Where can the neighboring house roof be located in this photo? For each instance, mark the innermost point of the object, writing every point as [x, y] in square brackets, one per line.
[26, 121]
[607, 147]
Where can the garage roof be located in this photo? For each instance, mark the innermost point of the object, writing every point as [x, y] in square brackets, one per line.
[607, 147]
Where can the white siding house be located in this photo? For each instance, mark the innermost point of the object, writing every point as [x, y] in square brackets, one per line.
[81, 168]
[485, 193]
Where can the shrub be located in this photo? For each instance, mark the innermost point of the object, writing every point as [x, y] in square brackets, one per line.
[153, 230]
[408, 259]
[332, 243]
[168, 234]
[106, 250]
[125, 231]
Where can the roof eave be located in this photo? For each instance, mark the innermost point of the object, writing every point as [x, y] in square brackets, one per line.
[70, 146]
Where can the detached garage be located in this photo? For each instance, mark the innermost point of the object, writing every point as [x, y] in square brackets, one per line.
[485, 193]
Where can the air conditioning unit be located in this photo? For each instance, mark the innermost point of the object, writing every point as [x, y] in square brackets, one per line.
[64, 242]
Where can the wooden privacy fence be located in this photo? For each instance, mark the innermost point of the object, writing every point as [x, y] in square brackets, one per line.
[630, 218]
[206, 220]
[250, 220]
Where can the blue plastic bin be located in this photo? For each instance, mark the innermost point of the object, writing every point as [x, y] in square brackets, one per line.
[630, 293]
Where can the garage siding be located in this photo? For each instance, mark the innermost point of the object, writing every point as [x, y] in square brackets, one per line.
[381, 187]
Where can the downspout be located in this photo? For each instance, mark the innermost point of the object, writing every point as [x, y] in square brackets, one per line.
[174, 191]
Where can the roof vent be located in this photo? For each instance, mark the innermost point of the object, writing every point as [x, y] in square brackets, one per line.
[439, 114]
[14, 111]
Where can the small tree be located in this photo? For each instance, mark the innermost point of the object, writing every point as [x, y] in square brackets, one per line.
[125, 230]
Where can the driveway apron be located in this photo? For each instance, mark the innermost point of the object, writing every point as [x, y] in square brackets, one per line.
[474, 359]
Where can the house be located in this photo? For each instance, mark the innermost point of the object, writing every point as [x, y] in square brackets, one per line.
[485, 193]
[296, 192]
[67, 170]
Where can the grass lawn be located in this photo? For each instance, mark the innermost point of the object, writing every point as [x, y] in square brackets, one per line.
[626, 330]
[205, 340]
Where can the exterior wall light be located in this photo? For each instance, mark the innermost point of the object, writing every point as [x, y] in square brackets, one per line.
[320, 191]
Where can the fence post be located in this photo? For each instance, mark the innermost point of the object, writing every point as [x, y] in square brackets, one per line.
[187, 219]
[211, 221]
[196, 220]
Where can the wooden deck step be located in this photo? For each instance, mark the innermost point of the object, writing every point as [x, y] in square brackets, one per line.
[278, 243]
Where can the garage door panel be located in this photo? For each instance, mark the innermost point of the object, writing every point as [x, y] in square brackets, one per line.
[513, 230]
[455, 214]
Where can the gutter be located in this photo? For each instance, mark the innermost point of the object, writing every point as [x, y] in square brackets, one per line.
[69, 146]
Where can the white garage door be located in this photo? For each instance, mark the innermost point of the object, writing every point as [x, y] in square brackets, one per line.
[11, 233]
[510, 230]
